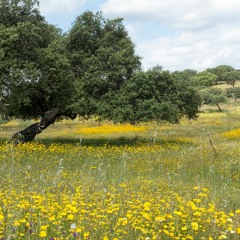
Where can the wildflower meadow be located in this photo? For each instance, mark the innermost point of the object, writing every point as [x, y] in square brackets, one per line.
[102, 181]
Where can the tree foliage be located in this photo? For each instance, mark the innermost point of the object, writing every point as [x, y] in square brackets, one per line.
[16, 11]
[233, 92]
[35, 73]
[184, 76]
[220, 71]
[204, 79]
[102, 58]
[232, 77]
[151, 95]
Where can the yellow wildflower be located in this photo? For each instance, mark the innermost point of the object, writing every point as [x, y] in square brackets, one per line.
[184, 228]
[70, 217]
[16, 223]
[195, 226]
[42, 234]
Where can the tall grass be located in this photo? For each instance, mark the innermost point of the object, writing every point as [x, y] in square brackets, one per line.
[152, 182]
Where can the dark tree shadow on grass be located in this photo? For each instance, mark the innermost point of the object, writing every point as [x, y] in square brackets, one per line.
[118, 142]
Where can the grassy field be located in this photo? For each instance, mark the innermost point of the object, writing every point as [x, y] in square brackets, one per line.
[79, 180]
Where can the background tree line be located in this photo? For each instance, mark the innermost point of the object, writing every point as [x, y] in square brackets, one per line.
[90, 70]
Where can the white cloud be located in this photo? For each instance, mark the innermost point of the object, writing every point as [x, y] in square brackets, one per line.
[183, 14]
[51, 7]
[191, 50]
[203, 33]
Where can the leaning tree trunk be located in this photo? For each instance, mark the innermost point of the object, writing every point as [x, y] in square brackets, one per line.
[29, 133]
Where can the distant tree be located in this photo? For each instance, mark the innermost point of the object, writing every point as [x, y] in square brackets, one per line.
[102, 57]
[184, 76]
[233, 93]
[151, 95]
[214, 96]
[204, 79]
[232, 77]
[220, 71]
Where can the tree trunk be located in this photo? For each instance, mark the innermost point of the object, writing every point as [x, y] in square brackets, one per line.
[29, 133]
[220, 110]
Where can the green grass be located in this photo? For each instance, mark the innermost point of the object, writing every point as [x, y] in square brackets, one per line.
[167, 182]
[225, 85]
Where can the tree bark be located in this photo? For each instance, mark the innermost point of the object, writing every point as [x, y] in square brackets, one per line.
[29, 133]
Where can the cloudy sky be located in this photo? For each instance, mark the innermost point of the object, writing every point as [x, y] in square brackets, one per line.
[176, 34]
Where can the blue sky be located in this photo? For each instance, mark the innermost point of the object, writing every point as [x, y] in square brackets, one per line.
[176, 34]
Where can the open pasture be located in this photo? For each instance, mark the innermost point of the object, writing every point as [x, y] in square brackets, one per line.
[79, 180]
